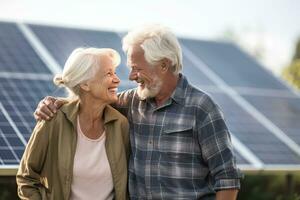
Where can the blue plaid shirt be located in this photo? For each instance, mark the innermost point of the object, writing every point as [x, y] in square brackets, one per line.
[180, 150]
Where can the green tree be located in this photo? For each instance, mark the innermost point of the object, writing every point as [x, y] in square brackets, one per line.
[292, 72]
[297, 51]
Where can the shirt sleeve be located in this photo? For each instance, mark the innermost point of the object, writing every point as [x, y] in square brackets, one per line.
[123, 103]
[217, 151]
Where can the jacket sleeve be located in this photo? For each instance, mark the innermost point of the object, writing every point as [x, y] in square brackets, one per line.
[29, 173]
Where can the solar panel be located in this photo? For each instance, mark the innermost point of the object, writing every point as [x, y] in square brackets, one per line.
[62, 41]
[195, 76]
[232, 65]
[16, 54]
[19, 98]
[284, 112]
[25, 79]
[269, 149]
[11, 147]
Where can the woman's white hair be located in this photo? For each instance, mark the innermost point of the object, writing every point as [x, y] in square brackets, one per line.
[158, 42]
[80, 66]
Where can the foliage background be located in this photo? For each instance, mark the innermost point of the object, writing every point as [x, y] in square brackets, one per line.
[291, 73]
[254, 187]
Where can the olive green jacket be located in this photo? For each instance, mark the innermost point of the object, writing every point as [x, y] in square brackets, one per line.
[46, 168]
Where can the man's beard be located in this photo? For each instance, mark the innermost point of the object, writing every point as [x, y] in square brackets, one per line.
[149, 91]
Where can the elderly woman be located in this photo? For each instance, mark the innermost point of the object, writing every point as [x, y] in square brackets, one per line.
[82, 152]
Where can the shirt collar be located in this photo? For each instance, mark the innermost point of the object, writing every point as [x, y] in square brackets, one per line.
[71, 111]
[179, 93]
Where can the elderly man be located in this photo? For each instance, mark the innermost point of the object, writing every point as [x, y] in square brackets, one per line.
[181, 147]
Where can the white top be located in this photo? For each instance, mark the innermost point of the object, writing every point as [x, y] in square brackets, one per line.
[92, 178]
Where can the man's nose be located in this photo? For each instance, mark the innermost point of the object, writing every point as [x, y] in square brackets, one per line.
[133, 75]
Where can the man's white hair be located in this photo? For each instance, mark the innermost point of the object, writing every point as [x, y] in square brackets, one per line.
[81, 65]
[158, 42]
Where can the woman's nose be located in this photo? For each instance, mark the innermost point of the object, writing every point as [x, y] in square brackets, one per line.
[116, 79]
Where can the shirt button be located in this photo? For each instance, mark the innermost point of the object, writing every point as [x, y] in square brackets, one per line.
[150, 142]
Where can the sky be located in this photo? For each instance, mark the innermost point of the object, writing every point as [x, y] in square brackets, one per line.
[269, 28]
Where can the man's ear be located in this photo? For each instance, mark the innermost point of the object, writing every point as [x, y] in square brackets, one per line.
[85, 86]
[165, 64]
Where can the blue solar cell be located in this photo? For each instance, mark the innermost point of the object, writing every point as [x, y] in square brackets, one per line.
[62, 41]
[26, 133]
[195, 76]
[254, 135]
[3, 119]
[7, 155]
[2, 142]
[283, 112]
[240, 159]
[9, 142]
[19, 153]
[7, 129]
[232, 65]
[15, 142]
[16, 54]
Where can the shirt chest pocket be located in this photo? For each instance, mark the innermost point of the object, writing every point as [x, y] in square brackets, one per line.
[177, 140]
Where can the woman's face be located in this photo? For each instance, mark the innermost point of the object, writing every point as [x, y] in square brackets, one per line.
[103, 85]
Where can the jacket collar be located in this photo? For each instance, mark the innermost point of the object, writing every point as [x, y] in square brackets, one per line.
[71, 109]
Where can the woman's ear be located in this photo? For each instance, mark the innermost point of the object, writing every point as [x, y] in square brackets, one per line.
[85, 86]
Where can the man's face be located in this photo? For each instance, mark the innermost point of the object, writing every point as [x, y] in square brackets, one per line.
[147, 76]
